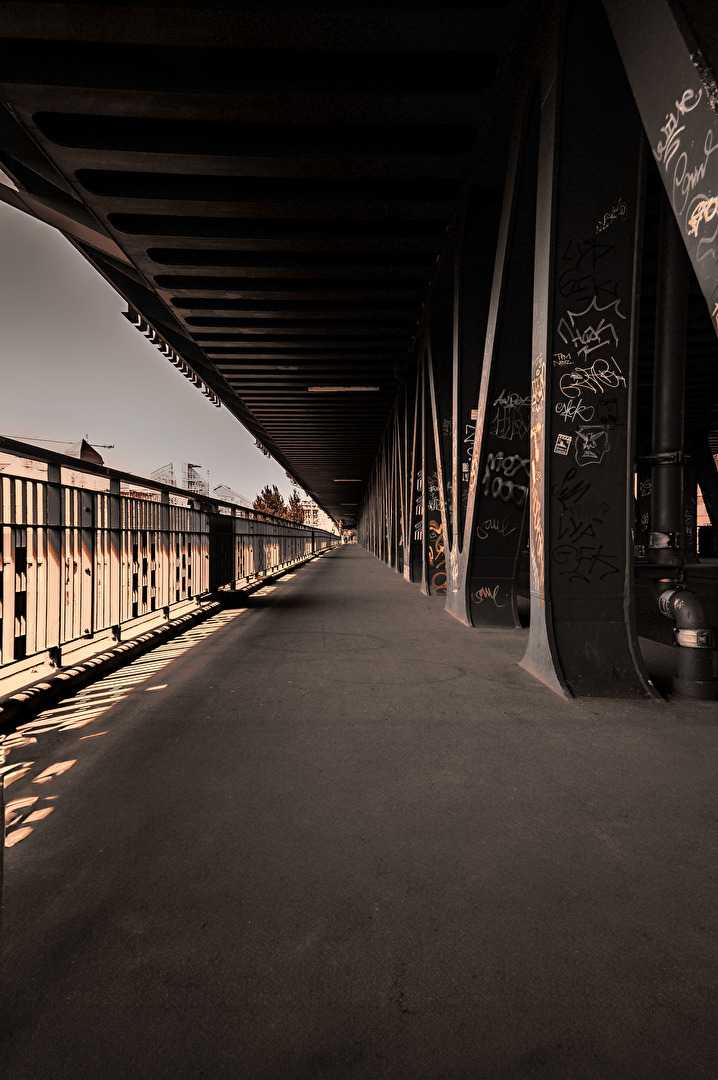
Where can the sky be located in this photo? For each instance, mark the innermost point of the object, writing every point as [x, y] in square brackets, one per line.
[73, 366]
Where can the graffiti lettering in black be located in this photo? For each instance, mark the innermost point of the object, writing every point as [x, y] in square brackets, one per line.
[583, 278]
[607, 413]
[499, 478]
[575, 527]
[571, 490]
[586, 562]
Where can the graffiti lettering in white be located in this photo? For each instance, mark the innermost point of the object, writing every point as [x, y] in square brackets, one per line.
[469, 437]
[510, 420]
[670, 143]
[587, 333]
[601, 374]
[616, 213]
[502, 527]
[573, 410]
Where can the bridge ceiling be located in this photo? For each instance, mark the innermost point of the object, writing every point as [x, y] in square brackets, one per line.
[271, 188]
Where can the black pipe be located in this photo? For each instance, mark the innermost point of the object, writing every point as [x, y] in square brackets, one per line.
[666, 550]
[695, 638]
[669, 379]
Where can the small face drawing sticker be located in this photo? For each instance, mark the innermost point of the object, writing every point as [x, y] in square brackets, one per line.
[591, 445]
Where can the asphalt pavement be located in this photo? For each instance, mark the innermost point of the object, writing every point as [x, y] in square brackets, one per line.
[334, 834]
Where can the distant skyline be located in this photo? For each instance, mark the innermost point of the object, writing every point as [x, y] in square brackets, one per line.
[73, 366]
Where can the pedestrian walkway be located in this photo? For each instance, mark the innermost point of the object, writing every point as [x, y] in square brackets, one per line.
[343, 837]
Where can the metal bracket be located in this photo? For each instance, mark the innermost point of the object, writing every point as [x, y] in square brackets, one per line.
[658, 541]
[669, 457]
[695, 639]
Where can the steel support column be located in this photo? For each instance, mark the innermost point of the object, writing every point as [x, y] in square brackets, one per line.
[498, 491]
[582, 638]
[676, 95]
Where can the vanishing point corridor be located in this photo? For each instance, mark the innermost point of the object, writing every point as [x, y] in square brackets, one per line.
[335, 834]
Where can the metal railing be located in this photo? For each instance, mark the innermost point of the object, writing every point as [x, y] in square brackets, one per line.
[91, 556]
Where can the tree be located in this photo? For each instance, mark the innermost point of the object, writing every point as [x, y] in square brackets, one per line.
[270, 499]
[295, 510]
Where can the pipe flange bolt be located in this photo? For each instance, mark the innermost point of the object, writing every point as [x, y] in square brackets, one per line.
[695, 639]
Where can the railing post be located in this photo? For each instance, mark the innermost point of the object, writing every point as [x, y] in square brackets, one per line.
[55, 560]
[115, 553]
[165, 597]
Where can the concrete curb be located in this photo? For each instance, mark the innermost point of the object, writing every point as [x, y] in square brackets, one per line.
[26, 704]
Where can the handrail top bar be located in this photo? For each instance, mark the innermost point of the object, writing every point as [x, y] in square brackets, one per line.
[52, 457]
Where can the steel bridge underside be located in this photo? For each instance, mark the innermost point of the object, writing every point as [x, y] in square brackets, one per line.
[455, 269]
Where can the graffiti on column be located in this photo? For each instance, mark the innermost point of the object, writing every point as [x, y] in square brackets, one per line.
[684, 142]
[510, 418]
[437, 557]
[685, 156]
[503, 481]
[591, 402]
[467, 452]
[538, 394]
[418, 516]
[433, 502]
[506, 478]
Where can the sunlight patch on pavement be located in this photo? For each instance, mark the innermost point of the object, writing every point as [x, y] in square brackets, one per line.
[83, 709]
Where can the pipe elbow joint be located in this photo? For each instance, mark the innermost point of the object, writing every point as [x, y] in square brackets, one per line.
[692, 629]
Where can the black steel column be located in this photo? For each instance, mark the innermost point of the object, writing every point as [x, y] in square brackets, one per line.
[499, 505]
[582, 637]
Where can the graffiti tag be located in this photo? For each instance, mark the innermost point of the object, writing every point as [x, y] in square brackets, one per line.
[670, 143]
[617, 212]
[487, 593]
[498, 478]
[509, 420]
[494, 525]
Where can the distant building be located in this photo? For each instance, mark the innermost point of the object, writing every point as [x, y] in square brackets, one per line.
[165, 474]
[315, 516]
[228, 495]
[194, 482]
